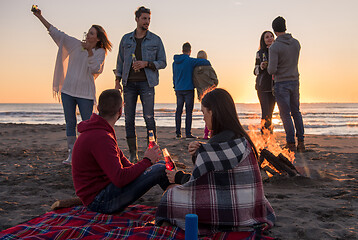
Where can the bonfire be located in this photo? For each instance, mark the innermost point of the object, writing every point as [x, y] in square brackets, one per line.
[272, 158]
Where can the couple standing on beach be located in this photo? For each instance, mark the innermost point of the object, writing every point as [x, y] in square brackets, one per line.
[277, 80]
[190, 73]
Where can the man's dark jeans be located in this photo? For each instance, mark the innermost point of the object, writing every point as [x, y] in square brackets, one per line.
[187, 97]
[288, 100]
[114, 199]
[131, 92]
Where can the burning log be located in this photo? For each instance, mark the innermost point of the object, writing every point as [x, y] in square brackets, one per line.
[288, 163]
[281, 165]
[271, 158]
[270, 170]
[261, 159]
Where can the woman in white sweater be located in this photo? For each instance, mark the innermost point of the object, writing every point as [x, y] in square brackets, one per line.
[78, 64]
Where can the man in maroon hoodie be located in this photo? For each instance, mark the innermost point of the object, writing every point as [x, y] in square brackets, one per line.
[103, 178]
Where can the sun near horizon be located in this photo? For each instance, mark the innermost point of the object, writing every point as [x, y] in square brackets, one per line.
[228, 31]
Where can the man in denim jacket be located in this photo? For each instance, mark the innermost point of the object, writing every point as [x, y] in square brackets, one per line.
[141, 55]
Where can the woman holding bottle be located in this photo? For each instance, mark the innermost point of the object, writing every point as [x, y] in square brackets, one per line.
[264, 82]
[225, 188]
[78, 64]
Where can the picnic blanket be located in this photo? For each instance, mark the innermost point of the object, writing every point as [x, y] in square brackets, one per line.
[135, 222]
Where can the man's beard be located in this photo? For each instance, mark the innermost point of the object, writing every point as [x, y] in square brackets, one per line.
[145, 28]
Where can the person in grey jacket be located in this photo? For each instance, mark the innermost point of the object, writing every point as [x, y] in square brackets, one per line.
[283, 65]
[141, 55]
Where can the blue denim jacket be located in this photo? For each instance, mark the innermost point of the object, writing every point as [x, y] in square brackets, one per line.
[152, 51]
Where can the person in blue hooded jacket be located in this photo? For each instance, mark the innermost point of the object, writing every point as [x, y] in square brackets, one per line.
[183, 67]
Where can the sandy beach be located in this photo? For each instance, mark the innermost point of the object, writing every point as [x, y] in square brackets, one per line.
[320, 205]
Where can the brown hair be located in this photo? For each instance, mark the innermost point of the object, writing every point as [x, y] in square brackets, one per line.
[224, 115]
[141, 10]
[186, 47]
[262, 40]
[103, 39]
[109, 102]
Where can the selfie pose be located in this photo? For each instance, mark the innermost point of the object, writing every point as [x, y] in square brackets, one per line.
[78, 64]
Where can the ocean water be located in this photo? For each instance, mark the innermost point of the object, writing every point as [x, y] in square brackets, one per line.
[318, 118]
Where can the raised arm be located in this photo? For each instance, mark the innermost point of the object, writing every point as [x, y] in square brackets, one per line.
[38, 14]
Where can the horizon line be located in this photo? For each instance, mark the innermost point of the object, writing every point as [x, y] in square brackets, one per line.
[195, 102]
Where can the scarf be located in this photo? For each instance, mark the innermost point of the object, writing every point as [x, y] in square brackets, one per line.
[60, 68]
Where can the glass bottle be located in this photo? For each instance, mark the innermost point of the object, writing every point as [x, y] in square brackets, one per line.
[84, 39]
[169, 164]
[151, 139]
[264, 58]
[134, 59]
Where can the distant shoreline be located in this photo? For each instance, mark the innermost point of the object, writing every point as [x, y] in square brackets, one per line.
[172, 128]
[336, 119]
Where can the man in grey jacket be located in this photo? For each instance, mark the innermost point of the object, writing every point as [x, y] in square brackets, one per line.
[283, 65]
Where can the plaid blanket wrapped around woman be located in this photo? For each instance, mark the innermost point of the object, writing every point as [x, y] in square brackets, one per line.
[225, 191]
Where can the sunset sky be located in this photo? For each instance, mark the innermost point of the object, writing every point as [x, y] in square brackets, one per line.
[228, 30]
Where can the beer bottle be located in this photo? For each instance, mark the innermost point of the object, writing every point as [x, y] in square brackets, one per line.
[151, 139]
[264, 58]
[169, 164]
[134, 59]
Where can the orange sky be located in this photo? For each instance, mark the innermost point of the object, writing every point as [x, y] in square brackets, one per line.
[228, 31]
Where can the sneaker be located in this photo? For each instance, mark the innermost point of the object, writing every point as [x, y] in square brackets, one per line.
[191, 137]
[301, 146]
[178, 136]
[290, 146]
[68, 161]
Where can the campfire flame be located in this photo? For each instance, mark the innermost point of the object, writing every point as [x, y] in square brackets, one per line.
[267, 140]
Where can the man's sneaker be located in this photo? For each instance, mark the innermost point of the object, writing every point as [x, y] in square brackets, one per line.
[301, 146]
[178, 136]
[290, 146]
[191, 137]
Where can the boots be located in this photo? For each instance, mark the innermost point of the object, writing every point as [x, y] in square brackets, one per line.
[133, 150]
[290, 146]
[70, 142]
[301, 146]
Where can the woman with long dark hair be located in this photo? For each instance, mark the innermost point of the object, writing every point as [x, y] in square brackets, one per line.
[226, 179]
[264, 82]
[78, 64]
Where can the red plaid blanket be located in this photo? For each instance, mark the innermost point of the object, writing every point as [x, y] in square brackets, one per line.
[136, 222]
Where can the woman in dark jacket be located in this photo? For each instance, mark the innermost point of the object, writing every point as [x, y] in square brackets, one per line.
[264, 82]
